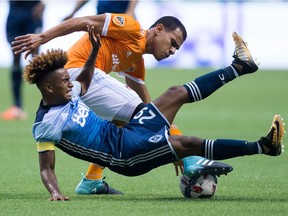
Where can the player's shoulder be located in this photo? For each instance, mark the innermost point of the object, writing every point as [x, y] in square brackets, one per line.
[123, 20]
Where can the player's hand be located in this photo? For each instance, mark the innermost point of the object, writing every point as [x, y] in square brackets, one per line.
[59, 197]
[26, 43]
[178, 165]
[95, 41]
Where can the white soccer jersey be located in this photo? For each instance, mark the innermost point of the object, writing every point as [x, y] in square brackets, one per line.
[109, 98]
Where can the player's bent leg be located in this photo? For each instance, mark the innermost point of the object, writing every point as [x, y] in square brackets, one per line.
[205, 85]
[89, 187]
[92, 182]
[271, 144]
[196, 165]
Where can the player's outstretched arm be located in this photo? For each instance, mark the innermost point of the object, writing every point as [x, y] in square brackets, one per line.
[48, 176]
[86, 74]
[140, 89]
[30, 42]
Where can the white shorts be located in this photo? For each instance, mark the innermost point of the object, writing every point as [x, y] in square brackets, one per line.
[107, 97]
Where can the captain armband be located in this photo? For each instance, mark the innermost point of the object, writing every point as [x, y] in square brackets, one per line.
[45, 146]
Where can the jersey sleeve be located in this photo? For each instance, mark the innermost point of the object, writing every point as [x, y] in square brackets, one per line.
[45, 132]
[122, 26]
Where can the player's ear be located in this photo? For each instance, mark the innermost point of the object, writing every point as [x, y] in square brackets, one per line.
[159, 28]
[47, 87]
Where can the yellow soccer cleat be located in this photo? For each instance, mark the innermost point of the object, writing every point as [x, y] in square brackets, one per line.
[271, 144]
[243, 59]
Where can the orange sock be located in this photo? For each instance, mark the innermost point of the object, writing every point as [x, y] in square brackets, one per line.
[94, 172]
[174, 130]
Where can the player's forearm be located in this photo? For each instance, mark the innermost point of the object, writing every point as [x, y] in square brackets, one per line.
[86, 75]
[49, 180]
[145, 96]
[140, 89]
[64, 28]
[48, 176]
[73, 25]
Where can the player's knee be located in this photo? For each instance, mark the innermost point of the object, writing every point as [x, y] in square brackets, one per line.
[178, 92]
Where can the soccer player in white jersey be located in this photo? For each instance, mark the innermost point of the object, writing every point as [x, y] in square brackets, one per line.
[64, 121]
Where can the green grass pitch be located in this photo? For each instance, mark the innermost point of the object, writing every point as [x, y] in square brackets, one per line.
[243, 109]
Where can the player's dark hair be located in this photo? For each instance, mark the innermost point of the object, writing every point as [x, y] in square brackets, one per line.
[171, 23]
[43, 64]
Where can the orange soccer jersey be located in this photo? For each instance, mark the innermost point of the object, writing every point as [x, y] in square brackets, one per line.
[122, 46]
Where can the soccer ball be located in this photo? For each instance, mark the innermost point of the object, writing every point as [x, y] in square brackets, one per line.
[203, 186]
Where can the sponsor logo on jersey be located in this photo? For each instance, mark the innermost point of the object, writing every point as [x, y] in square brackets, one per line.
[80, 115]
[119, 20]
[115, 62]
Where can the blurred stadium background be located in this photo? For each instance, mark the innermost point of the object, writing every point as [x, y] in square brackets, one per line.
[209, 25]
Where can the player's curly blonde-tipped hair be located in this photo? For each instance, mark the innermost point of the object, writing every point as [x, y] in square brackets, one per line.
[41, 65]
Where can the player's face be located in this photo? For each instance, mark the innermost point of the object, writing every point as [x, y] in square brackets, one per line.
[166, 43]
[61, 86]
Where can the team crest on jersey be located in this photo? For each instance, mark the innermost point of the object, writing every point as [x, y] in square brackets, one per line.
[118, 20]
[129, 70]
[155, 138]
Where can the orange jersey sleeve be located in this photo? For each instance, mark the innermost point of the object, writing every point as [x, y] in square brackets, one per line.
[122, 47]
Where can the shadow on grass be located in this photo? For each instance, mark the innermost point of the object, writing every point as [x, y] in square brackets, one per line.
[142, 198]
[153, 198]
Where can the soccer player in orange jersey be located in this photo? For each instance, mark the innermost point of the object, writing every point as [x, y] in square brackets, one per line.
[123, 44]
